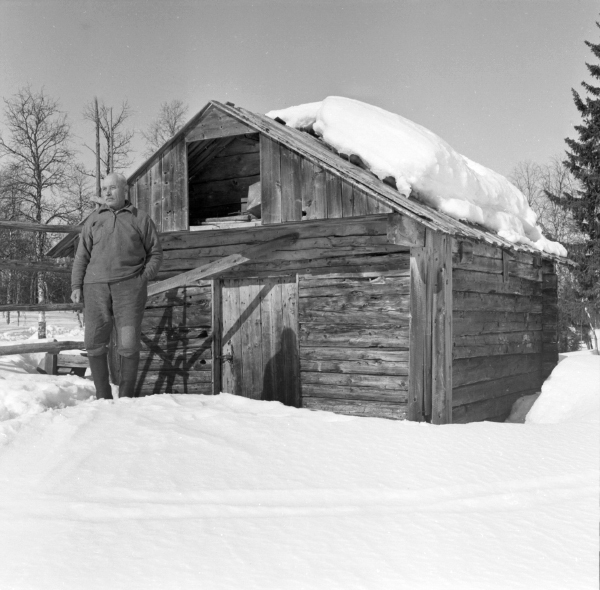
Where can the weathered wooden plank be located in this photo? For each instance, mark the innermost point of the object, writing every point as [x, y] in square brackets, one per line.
[291, 186]
[363, 367]
[333, 192]
[289, 340]
[51, 364]
[143, 191]
[167, 190]
[354, 393]
[480, 322]
[209, 271]
[232, 380]
[43, 307]
[41, 227]
[251, 349]
[441, 329]
[474, 345]
[352, 303]
[320, 334]
[467, 301]
[360, 203]
[316, 228]
[327, 286]
[183, 361]
[480, 282]
[217, 325]
[270, 181]
[270, 304]
[347, 199]
[418, 328]
[48, 347]
[383, 382]
[477, 392]
[404, 231]
[325, 353]
[179, 189]
[481, 369]
[306, 247]
[156, 194]
[357, 408]
[215, 124]
[391, 319]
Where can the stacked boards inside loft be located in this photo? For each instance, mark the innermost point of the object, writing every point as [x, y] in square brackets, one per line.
[378, 305]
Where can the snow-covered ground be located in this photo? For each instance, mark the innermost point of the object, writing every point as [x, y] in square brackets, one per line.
[180, 492]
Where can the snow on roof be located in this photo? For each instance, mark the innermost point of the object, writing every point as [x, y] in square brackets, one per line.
[420, 161]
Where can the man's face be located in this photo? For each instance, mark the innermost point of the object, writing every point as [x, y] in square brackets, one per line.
[113, 192]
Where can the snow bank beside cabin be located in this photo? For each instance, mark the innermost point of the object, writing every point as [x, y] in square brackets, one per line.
[420, 161]
[571, 393]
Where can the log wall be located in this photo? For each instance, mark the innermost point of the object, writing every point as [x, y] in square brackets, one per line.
[498, 329]
[353, 288]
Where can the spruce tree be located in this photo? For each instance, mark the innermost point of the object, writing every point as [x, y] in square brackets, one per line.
[583, 161]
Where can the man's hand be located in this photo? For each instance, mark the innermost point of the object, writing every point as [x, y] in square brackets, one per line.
[76, 296]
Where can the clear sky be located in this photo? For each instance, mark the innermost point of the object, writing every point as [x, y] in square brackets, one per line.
[491, 77]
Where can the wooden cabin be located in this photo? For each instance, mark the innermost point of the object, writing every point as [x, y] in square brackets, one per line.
[380, 306]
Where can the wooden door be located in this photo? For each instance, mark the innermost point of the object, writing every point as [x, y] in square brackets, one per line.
[259, 338]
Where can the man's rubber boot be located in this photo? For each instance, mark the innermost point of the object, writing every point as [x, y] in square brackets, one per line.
[99, 368]
[129, 372]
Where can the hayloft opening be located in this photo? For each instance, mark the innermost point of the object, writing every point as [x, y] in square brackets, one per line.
[222, 174]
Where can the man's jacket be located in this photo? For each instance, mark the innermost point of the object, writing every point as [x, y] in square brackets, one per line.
[116, 245]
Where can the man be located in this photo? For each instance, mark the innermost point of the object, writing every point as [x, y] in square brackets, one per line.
[118, 253]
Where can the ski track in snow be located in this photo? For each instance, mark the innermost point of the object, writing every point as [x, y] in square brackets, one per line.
[177, 492]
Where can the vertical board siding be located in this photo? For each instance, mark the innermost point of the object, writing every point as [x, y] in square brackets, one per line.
[260, 323]
[307, 191]
[291, 186]
[498, 330]
[270, 174]
[161, 190]
[156, 194]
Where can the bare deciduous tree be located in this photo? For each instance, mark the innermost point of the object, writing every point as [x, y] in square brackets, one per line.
[39, 153]
[169, 121]
[115, 153]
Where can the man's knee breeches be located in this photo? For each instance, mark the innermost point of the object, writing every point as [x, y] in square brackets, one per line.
[120, 304]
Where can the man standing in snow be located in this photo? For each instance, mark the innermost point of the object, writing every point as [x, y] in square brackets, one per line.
[118, 253]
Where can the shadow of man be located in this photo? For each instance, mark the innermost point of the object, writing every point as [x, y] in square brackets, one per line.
[280, 380]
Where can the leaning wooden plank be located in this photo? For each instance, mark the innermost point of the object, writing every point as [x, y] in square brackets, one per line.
[43, 307]
[49, 347]
[214, 269]
[34, 266]
[23, 226]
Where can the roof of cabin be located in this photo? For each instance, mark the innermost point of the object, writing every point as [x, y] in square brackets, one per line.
[315, 150]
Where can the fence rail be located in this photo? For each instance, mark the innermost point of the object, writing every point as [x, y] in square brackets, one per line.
[48, 347]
